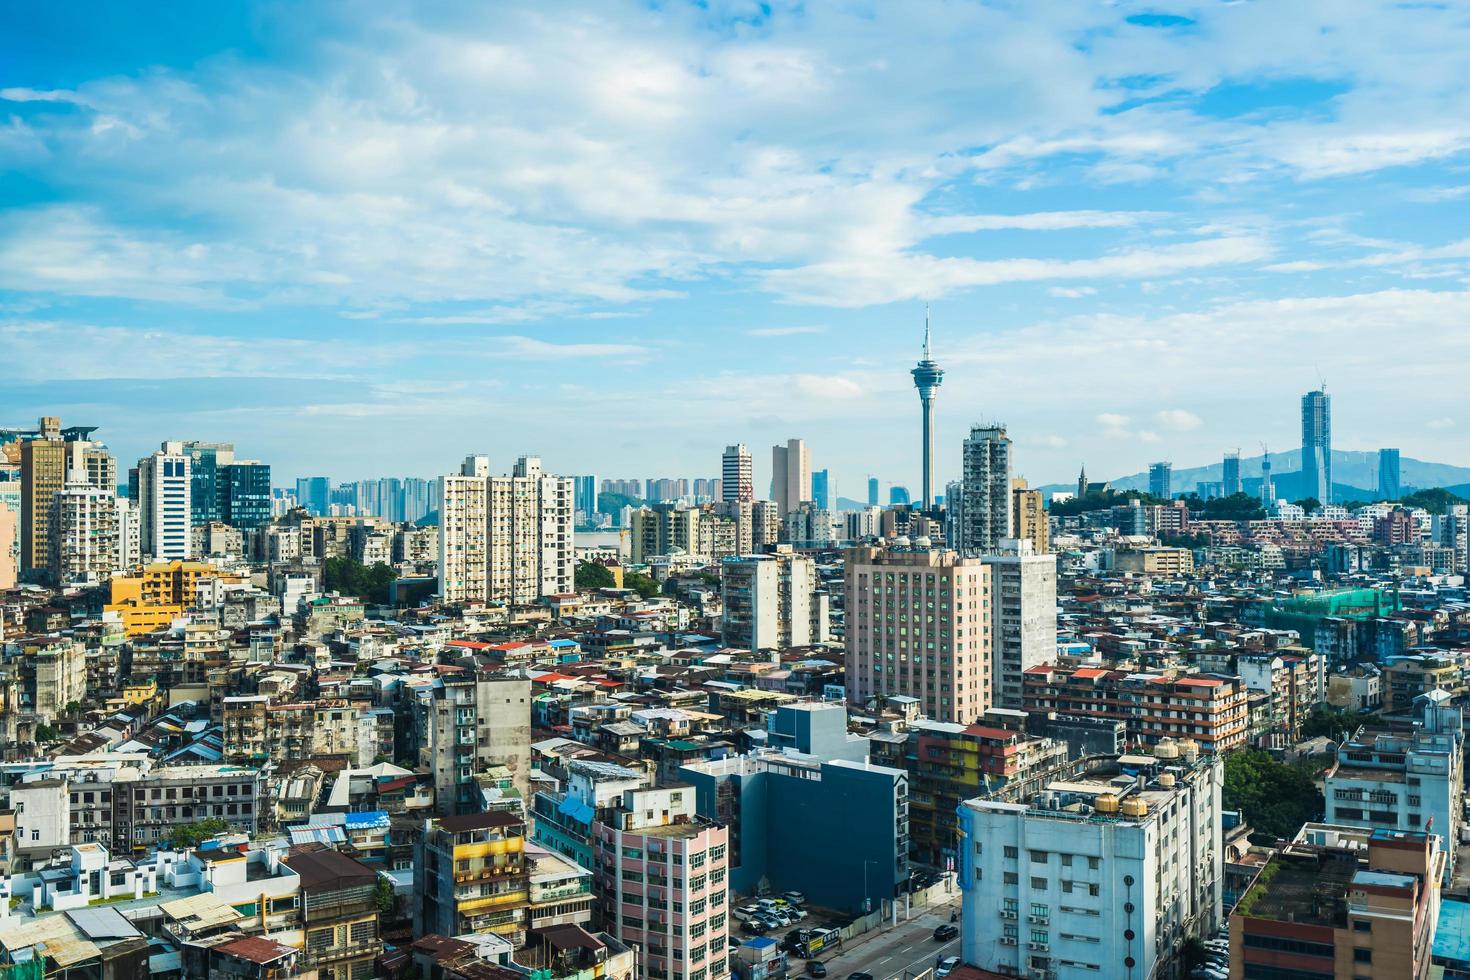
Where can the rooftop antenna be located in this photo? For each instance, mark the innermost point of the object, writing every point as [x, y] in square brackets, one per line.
[926, 331]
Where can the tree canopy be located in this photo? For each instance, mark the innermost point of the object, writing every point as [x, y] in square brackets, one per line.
[642, 584]
[612, 503]
[1275, 798]
[1436, 500]
[594, 575]
[1309, 504]
[1099, 500]
[1332, 723]
[371, 584]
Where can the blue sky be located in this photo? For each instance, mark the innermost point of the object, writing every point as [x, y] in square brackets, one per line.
[369, 238]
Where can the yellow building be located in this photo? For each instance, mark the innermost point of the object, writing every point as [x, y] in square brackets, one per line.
[157, 595]
[1028, 516]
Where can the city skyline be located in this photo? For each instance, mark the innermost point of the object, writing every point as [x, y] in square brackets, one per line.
[668, 240]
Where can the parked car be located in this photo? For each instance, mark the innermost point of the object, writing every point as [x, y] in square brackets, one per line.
[815, 968]
[745, 912]
[859, 976]
[945, 966]
[795, 898]
[945, 933]
[755, 927]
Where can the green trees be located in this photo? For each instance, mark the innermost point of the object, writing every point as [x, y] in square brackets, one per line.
[612, 503]
[1332, 723]
[1309, 504]
[1099, 500]
[193, 834]
[1435, 500]
[371, 584]
[593, 575]
[642, 584]
[1275, 798]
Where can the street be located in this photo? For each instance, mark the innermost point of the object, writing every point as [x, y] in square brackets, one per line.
[887, 953]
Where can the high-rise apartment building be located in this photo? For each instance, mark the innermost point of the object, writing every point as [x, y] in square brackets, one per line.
[772, 602]
[791, 475]
[872, 491]
[1028, 516]
[918, 624]
[83, 533]
[164, 502]
[1023, 617]
[1317, 445]
[766, 526]
[737, 474]
[1389, 487]
[661, 875]
[1102, 874]
[983, 516]
[1161, 479]
[663, 529]
[47, 457]
[505, 539]
[1230, 475]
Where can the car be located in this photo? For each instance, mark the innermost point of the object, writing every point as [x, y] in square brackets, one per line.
[859, 976]
[945, 966]
[796, 914]
[815, 968]
[945, 933]
[795, 898]
[745, 912]
[755, 927]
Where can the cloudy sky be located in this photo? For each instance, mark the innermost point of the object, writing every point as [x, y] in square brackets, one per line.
[368, 238]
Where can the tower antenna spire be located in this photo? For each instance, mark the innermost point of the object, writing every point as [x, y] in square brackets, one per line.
[926, 331]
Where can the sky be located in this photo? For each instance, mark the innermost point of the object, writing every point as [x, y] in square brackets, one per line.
[362, 239]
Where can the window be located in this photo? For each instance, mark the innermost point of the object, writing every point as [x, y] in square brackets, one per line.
[1066, 860]
[1038, 884]
[1362, 925]
[1362, 955]
[1012, 852]
[1038, 857]
[1011, 878]
[1093, 890]
[1093, 864]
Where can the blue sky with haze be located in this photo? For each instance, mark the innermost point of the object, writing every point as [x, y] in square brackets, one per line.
[362, 239]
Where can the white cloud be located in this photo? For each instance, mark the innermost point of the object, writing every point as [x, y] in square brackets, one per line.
[783, 331]
[1440, 424]
[1071, 292]
[1178, 419]
[1039, 221]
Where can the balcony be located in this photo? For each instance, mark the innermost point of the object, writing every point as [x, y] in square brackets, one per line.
[317, 957]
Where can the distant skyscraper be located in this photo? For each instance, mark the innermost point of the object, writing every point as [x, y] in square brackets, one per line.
[791, 475]
[898, 495]
[1389, 487]
[1161, 479]
[737, 474]
[1230, 474]
[315, 494]
[822, 489]
[872, 491]
[245, 494]
[585, 493]
[1317, 445]
[1268, 486]
[927, 378]
[986, 501]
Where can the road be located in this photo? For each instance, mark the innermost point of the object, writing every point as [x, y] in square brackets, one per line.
[887, 953]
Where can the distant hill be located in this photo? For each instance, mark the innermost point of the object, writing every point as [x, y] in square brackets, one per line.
[1354, 475]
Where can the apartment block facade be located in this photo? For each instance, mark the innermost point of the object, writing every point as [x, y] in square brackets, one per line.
[918, 624]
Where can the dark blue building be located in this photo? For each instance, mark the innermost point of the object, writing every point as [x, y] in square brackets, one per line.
[810, 813]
